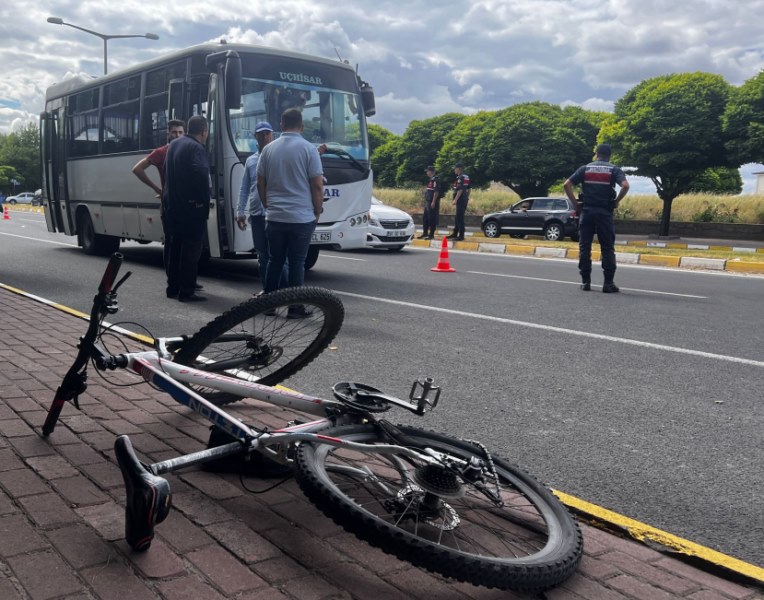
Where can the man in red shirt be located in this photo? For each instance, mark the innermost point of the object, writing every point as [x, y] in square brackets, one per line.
[175, 129]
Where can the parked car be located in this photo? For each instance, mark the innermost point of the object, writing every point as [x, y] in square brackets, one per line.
[389, 227]
[22, 198]
[554, 218]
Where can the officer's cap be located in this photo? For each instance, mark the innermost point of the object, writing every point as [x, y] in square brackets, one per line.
[429, 168]
[459, 165]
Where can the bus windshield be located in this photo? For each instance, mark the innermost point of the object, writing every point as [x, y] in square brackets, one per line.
[331, 116]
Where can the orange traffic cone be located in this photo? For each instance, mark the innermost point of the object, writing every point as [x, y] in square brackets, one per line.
[6, 214]
[443, 265]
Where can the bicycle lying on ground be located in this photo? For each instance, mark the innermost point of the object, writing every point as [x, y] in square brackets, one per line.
[441, 503]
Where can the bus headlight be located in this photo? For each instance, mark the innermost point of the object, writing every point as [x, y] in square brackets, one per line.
[359, 220]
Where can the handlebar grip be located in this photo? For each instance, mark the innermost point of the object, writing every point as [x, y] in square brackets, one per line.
[110, 274]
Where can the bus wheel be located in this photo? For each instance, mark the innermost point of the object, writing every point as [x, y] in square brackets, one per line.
[92, 242]
[311, 258]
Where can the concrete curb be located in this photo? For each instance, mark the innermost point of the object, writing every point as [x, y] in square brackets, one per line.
[737, 265]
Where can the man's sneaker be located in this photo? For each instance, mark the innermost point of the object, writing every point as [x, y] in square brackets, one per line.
[610, 288]
[298, 311]
[586, 286]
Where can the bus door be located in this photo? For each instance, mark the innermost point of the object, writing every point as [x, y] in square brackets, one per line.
[57, 218]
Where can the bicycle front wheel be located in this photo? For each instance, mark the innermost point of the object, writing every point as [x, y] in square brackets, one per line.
[265, 339]
[488, 523]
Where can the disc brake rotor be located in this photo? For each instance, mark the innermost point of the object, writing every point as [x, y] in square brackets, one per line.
[412, 497]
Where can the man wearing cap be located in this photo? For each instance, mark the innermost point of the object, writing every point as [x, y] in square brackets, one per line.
[432, 194]
[461, 198]
[249, 197]
[597, 203]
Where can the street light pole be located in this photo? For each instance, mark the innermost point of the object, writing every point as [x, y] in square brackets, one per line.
[103, 36]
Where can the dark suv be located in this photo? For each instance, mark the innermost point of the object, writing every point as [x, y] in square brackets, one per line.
[554, 218]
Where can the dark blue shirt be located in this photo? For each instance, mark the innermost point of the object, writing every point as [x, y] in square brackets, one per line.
[598, 181]
[187, 179]
[462, 183]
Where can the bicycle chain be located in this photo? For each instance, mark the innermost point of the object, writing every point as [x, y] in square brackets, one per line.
[490, 465]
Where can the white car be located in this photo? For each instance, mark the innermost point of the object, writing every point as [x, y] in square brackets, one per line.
[389, 227]
[23, 198]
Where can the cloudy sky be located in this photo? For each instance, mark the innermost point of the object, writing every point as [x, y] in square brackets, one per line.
[423, 58]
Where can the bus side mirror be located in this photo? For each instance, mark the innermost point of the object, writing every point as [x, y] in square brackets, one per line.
[367, 97]
[232, 75]
[233, 82]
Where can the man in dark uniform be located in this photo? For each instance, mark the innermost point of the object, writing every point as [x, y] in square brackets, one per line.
[597, 202]
[461, 198]
[187, 199]
[432, 194]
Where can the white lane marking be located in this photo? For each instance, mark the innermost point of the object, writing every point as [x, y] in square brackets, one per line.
[593, 286]
[334, 255]
[34, 239]
[586, 334]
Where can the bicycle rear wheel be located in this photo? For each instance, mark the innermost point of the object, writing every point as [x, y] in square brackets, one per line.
[265, 339]
[442, 518]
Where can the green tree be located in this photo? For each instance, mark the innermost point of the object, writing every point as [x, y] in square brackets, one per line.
[7, 173]
[460, 145]
[420, 145]
[21, 151]
[530, 147]
[378, 136]
[718, 180]
[384, 163]
[669, 129]
[743, 121]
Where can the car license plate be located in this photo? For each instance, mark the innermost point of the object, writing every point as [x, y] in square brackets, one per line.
[396, 233]
[321, 236]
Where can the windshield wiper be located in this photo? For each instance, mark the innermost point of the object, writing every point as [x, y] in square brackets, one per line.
[347, 156]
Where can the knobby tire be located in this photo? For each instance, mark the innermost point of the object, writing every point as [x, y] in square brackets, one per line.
[530, 544]
[255, 341]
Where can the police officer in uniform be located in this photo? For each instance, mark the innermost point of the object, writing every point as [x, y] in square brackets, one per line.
[597, 203]
[461, 198]
[432, 194]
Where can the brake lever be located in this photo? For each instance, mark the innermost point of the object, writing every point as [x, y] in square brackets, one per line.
[110, 302]
[120, 282]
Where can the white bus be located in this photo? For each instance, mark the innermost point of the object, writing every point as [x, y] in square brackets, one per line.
[95, 129]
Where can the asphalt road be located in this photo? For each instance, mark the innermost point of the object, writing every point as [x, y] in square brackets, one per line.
[648, 402]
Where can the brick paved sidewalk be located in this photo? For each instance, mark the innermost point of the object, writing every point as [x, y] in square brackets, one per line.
[62, 516]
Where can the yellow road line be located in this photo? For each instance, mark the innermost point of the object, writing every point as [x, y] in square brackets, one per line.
[643, 533]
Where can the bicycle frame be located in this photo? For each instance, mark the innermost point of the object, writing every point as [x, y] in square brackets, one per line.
[169, 377]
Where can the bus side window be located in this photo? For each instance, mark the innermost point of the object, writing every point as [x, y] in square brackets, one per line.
[154, 122]
[119, 118]
[82, 134]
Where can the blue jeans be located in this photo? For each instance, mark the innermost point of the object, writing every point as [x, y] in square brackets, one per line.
[260, 240]
[287, 241]
[600, 221]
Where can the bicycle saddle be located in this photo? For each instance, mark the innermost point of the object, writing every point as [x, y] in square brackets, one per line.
[148, 497]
